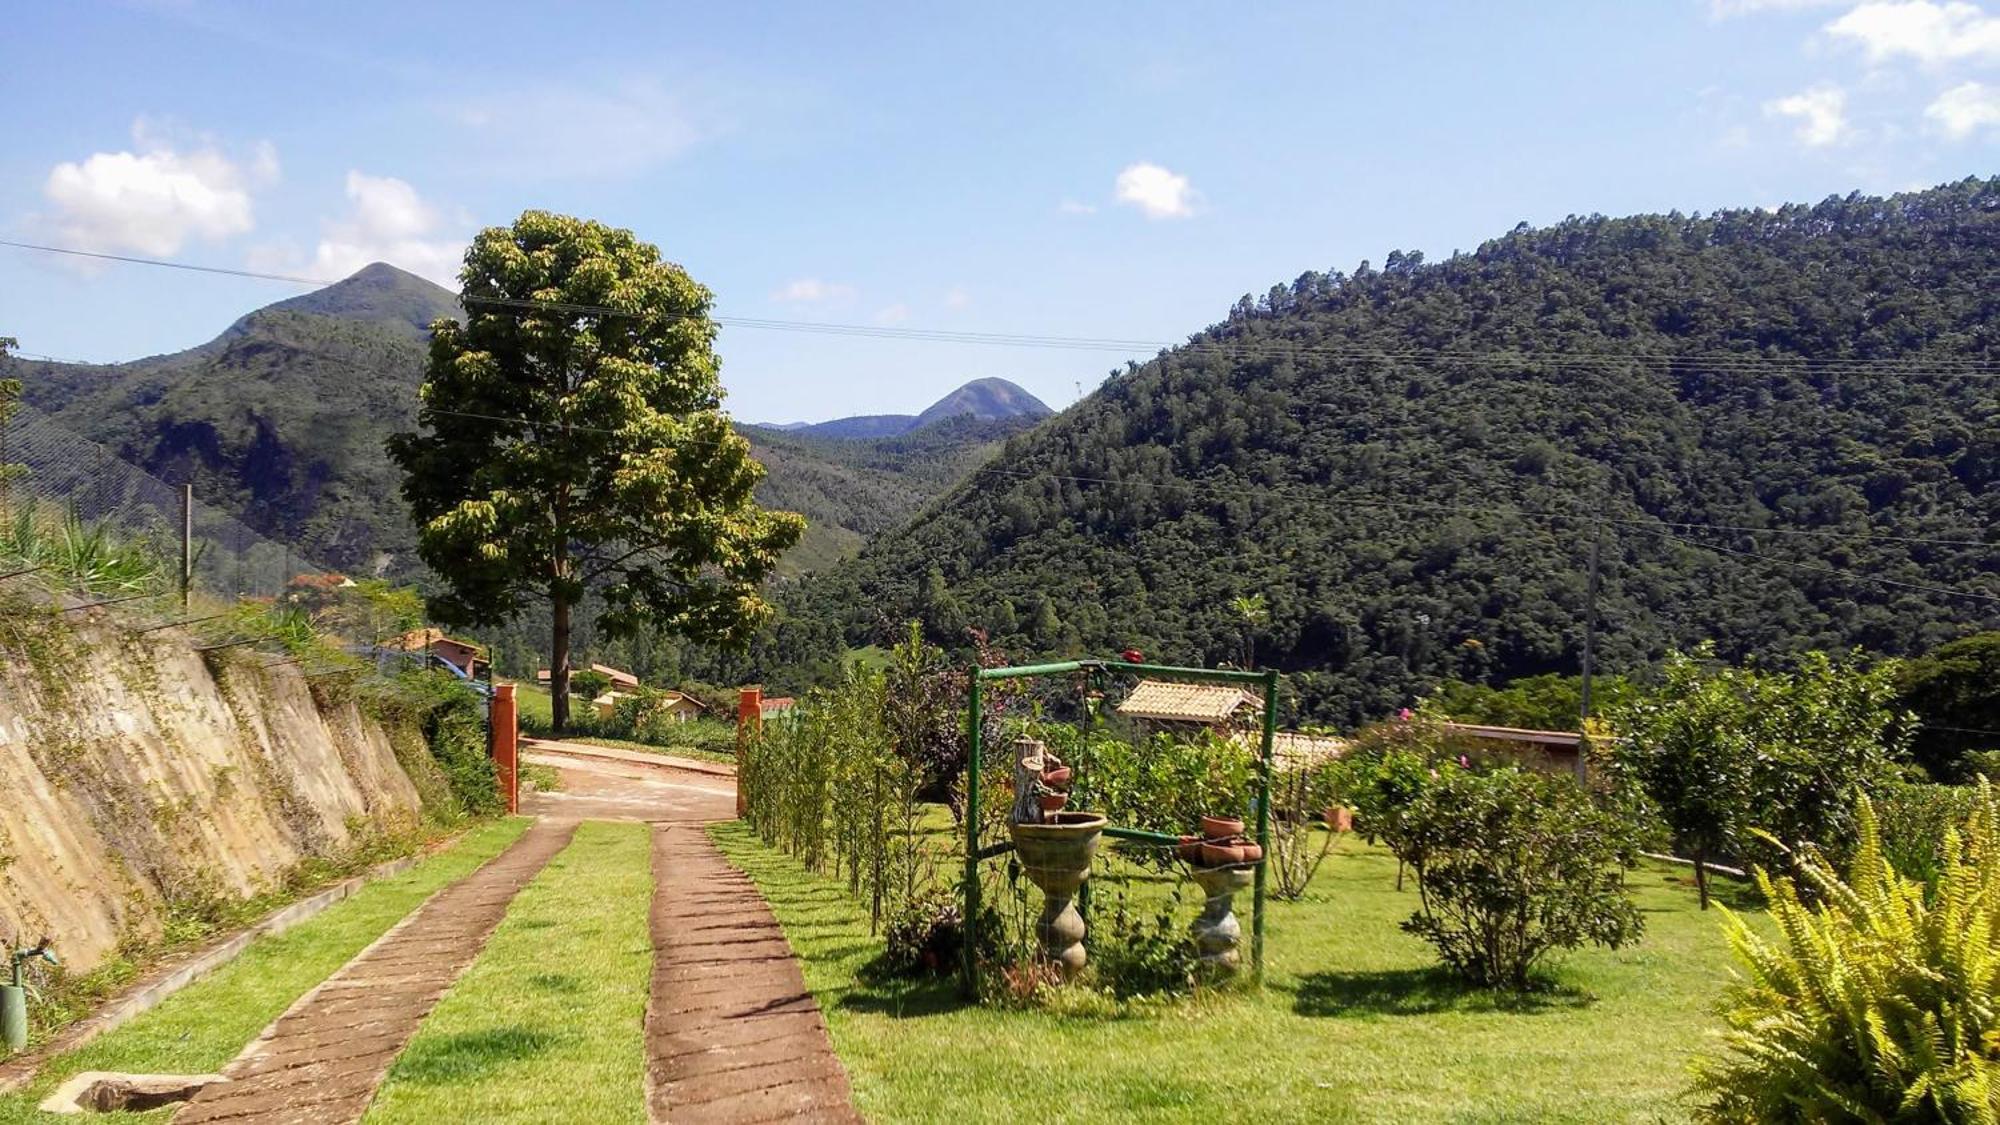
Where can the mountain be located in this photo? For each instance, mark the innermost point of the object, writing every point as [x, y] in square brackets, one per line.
[986, 400]
[1410, 465]
[279, 421]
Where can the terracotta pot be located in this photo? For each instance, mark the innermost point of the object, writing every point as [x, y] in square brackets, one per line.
[1220, 827]
[1340, 819]
[1189, 849]
[1057, 778]
[1220, 855]
[1052, 802]
[1250, 853]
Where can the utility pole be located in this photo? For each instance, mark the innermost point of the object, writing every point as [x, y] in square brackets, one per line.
[187, 542]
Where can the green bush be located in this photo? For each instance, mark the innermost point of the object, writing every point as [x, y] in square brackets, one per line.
[1881, 1002]
[1162, 783]
[1143, 955]
[1915, 820]
[589, 683]
[452, 719]
[1518, 865]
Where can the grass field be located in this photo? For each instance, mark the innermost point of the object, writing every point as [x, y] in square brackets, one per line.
[1354, 1025]
[546, 1024]
[203, 1026]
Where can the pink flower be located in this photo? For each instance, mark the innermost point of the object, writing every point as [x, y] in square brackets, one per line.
[1464, 762]
[1405, 715]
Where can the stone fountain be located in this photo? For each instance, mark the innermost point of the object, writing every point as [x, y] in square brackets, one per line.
[1055, 849]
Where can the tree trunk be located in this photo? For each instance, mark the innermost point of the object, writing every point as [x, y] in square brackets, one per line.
[1701, 876]
[559, 665]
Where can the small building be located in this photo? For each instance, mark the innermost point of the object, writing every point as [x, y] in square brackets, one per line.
[620, 680]
[1223, 705]
[465, 656]
[1208, 705]
[1536, 749]
[776, 707]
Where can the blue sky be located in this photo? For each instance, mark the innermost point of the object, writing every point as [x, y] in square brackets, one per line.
[1112, 170]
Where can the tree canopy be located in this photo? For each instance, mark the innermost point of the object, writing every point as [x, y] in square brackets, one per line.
[574, 440]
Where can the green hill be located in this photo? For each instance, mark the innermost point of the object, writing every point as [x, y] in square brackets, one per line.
[1408, 463]
[280, 421]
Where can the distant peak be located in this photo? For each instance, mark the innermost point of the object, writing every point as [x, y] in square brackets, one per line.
[986, 399]
[382, 294]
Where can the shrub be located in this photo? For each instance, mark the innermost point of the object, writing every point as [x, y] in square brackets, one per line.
[1136, 955]
[1915, 820]
[1299, 797]
[926, 935]
[1881, 1003]
[1517, 865]
[589, 683]
[1161, 783]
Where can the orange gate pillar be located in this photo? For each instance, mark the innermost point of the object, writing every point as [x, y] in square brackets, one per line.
[506, 754]
[749, 720]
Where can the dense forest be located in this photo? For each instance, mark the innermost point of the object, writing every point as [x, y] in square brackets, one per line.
[1757, 411]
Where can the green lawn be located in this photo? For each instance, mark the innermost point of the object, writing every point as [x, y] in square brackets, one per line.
[547, 1024]
[202, 1027]
[1354, 1025]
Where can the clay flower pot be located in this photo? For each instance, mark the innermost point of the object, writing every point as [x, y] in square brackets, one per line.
[1052, 802]
[1220, 827]
[1220, 855]
[1189, 849]
[1057, 778]
[1250, 853]
[1339, 819]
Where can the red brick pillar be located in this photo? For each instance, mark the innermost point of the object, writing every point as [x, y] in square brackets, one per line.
[749, 720]
[505, 749]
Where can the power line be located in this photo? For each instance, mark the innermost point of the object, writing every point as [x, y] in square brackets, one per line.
[1731, 363]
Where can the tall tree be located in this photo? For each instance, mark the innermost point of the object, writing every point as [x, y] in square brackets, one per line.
[573, 449]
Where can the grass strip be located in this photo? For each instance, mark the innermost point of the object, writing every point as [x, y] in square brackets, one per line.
[203, 1026]
[1355, 1024]
[546, 1024]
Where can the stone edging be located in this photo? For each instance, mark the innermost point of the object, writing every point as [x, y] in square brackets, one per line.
[155, 987]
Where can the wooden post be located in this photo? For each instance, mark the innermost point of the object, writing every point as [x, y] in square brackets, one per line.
[749, 721]
[506, 745]
[187, 543]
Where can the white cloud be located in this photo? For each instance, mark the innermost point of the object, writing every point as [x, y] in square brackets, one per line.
[1156, 192]
[957, 298]
[156, 199]
[893, 314]
[1920, 29]
[813, 291]
[1074, 207]
[1966, 109]
[389, 222]
[1820, 111]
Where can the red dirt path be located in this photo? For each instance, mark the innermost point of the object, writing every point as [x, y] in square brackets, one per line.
[321, 1061]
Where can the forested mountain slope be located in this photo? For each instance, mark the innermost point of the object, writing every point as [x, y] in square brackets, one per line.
[280, 420]
[1409, 463]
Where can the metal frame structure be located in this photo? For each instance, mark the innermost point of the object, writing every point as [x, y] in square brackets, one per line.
[975, 732]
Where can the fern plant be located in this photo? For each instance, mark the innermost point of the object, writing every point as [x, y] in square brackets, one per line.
[1880, 1002]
